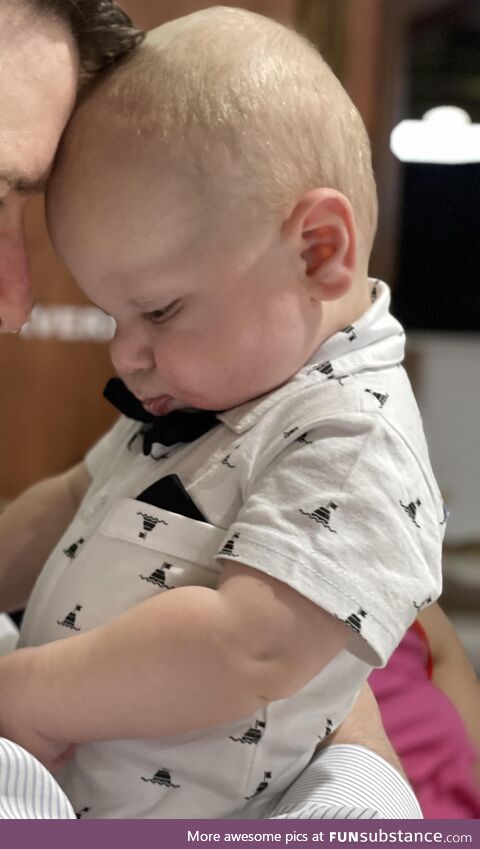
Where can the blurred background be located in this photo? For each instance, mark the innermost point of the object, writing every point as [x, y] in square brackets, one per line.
[397, 60]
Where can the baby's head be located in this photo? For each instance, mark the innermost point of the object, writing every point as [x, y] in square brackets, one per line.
[214, 194]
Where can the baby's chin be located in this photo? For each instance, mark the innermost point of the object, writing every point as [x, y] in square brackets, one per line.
[162, 405]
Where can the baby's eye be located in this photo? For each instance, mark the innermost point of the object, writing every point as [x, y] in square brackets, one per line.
[160, 316]
[156, 316]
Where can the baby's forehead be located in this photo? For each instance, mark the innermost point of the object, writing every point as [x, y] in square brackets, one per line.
[104, 200]
[96, 159]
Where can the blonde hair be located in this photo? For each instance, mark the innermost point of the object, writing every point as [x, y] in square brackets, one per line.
[242, 101]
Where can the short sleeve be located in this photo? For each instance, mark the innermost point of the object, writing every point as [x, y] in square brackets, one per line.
[346, 516]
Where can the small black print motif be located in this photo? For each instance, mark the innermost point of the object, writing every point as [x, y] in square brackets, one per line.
[446, 515]
[262, 786]
[290, 432]
[70, 619]
[350, 332]
[133, 438]
[422, 604]
[303, 438]
[162, 777]
[327, 369]
[158, 577]
[412, 509]
[149, 523]
[382, 399]
[73, 548]
[253, 735]
[158, 457]
[328, 728]
[79, 814]
[323, 515]
[229, 545]
[374, 291]
[226, 462]
[354, 621]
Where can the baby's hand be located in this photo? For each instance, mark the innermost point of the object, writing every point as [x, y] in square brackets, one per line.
[18, 720]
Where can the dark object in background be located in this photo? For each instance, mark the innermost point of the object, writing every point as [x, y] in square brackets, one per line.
[438, 278]
[17, 617]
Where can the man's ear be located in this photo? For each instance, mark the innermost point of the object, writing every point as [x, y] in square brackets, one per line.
[322, 227]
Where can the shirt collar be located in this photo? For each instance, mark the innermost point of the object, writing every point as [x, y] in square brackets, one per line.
[376, 341]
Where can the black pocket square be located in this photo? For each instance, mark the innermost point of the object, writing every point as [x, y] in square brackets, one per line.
[169, 493]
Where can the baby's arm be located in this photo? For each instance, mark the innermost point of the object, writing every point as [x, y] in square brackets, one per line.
[29, 529]
[453, 672]
[186, 659]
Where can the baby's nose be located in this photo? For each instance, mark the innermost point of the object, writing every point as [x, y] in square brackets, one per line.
[129, 352]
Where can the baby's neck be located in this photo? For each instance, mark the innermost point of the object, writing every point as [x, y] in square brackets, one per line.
[344, 311]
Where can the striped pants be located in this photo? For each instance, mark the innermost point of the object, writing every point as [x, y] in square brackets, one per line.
[343, 782]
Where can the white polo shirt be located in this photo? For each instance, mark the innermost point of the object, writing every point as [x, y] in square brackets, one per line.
[324, 484]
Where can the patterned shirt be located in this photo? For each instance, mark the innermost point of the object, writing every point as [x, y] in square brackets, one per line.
[324, 484]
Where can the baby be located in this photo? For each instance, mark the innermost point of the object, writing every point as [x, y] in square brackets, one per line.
[241, 558]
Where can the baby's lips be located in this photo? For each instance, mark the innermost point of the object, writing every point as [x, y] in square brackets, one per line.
[159, 406]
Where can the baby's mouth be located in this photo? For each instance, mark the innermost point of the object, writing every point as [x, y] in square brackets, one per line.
[159, 406]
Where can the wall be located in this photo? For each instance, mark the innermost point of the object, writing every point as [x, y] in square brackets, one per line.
[447, 386]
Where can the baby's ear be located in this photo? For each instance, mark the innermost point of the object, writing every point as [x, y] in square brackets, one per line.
[323, 232]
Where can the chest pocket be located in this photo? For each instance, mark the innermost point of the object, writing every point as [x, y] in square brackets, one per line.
[138, 551]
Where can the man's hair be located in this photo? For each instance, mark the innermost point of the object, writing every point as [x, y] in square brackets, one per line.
[102, 32]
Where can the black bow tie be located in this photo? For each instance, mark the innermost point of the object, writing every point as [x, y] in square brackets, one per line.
[178, 426]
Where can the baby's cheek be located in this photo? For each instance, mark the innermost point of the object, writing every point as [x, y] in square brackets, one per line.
[211, 370]
[184, 369]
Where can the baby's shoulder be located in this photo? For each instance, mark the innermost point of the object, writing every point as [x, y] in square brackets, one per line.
[315, 399]
[372, 410]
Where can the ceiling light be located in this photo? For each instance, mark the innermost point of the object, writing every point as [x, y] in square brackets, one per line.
[445, 136]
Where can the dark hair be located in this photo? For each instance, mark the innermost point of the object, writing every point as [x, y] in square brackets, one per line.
[102, 31]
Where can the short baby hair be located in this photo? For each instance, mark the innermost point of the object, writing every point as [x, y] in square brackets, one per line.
[102, 32]
[244, 102]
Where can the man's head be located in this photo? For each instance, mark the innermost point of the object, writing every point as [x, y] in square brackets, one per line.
[213, 217]
[47, 47]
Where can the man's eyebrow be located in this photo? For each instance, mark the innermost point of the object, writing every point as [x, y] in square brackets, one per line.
[25, 185]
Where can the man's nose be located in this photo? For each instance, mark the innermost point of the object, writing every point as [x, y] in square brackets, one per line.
[16, 297]
[130, 352]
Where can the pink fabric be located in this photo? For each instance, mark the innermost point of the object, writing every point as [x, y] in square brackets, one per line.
[427, 733]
